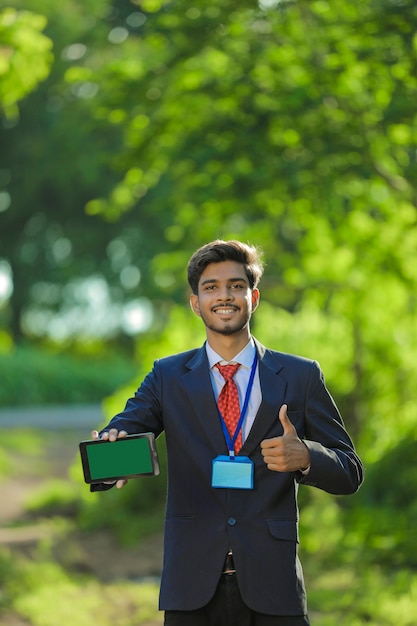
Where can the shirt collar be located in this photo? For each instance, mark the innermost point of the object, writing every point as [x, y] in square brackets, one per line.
[245, 356]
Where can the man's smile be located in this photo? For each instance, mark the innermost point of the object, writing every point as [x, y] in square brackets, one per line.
[224, 310]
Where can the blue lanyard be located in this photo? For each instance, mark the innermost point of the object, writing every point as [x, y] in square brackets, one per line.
[231, 440]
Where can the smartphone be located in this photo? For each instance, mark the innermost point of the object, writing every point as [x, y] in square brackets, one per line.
[127, 457]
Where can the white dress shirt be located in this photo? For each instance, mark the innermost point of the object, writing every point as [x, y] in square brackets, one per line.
[241, 378]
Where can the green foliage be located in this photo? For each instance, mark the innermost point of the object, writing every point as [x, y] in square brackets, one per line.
[8, 571]
[363, 597]
[24, 442]
[247, 111]
[377, 522]
[56, 498]
[32, 589]
[15, 446]
[52, 246]
[32, 377]
[358, 554]
[133, 512]
[183, 330]
[4, 463]
[291, 127]
[25, 56]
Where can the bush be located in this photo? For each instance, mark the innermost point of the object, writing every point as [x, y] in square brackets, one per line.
[31, 376]
[130, 513]
[378, 519]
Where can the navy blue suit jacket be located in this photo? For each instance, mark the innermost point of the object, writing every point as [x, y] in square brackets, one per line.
[260, 525]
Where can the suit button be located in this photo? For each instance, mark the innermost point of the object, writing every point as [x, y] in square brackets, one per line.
[231, 521]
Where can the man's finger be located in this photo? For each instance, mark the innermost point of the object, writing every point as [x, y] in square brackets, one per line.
[269, 443]
[287, 425]
[111, 435]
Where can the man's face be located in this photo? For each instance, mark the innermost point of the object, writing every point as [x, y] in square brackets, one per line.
[225, 300]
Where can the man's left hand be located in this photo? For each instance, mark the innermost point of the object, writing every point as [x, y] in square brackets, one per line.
[286, 453]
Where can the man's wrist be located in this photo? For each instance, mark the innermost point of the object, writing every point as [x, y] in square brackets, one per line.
[306, 466]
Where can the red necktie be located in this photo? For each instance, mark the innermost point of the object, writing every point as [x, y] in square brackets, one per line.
[228, 401]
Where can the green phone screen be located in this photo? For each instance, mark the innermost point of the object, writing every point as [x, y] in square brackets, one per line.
[119, 458]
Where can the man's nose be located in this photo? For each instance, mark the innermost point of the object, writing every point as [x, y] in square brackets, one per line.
[225, 293]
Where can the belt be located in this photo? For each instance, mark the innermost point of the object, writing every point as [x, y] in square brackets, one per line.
[229, 565]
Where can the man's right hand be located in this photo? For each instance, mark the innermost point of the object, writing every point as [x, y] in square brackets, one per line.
[112, 435]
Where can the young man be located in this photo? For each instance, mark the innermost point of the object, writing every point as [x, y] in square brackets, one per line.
[231, 528]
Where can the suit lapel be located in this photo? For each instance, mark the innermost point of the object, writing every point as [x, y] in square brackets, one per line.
[273, 387]
[198, 386]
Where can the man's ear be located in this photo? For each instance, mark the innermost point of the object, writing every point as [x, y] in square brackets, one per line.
[255, 298]
[194, 304]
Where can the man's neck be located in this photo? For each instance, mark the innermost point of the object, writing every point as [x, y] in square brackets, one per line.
[228, 346]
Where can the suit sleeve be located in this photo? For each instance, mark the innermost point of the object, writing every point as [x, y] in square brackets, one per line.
[141, 414]
[335, 466]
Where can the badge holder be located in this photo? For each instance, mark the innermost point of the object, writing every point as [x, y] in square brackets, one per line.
[232, 472]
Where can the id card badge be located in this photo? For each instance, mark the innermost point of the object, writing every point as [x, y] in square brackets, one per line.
[232, 473]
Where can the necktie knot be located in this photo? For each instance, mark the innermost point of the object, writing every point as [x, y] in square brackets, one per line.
[228, 371]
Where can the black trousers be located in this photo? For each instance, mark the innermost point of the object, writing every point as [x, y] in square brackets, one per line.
[227, 608]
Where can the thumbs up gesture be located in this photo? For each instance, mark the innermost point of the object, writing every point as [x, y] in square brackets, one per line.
[286, 453]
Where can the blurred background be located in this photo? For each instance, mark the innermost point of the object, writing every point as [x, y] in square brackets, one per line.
[132, 132]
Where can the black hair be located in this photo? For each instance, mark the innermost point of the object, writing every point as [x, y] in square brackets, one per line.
[218, 251]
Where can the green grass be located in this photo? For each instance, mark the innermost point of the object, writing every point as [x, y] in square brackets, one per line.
[341, 596]
[46, 595]
[359, 596]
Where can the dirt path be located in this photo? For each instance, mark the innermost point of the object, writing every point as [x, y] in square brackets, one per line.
[97, 553]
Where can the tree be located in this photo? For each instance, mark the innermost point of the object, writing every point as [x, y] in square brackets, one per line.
[287, 124]
[25, 56]
[291, 126]
[54, 157]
